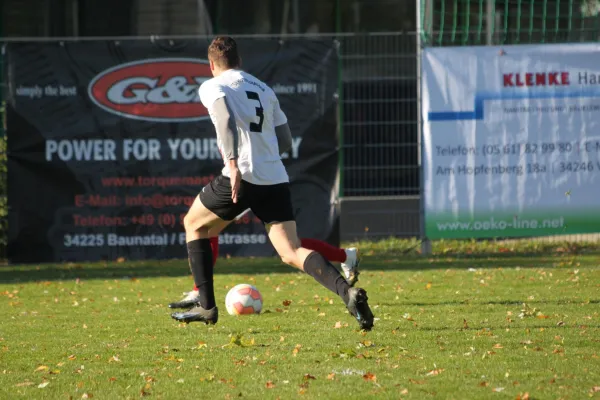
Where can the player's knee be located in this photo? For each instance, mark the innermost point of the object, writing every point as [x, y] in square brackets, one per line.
[289, 258]
[189, 223]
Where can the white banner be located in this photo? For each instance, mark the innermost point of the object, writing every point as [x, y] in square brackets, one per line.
[511, 140]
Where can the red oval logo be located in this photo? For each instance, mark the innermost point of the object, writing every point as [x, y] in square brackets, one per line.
[159, 90]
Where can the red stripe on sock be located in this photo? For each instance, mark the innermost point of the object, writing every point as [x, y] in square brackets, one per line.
[328, 251]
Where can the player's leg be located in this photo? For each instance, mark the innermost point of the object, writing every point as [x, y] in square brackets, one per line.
[284, 238]
[197, 223]
[209, 213]
[273, 206]
[192, 297]
[214, 247]
[349, 258]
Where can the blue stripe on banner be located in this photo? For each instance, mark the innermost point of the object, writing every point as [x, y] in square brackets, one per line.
[477, 113]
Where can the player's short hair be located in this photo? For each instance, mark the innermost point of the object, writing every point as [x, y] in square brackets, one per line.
[223, 51]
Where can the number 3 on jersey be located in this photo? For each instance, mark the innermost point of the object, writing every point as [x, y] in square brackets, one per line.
[254, 127]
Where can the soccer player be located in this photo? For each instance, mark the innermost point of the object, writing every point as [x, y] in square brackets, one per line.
[349, 259]
[246, 115]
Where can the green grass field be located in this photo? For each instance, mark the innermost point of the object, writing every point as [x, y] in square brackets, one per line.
[499, 326]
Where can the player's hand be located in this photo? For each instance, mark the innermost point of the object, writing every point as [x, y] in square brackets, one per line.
[235, 179]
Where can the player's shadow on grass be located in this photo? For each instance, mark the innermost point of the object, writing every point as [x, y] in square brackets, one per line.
[491, 261]
[516, 303]
[127, 270]
[498, 327]
[257, 266]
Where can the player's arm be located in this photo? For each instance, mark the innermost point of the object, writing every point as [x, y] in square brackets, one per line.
[226, 128]
[282, 129]
[284, 138]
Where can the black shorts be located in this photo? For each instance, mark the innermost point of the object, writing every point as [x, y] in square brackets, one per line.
[270, 203]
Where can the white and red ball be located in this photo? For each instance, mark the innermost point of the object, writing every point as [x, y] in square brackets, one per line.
[243, 299]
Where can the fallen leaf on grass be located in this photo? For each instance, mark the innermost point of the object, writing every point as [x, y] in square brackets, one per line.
[595, 389]
[303, 385]
[41, 368]
[524, 396]
[72, 357]
[560, 323]
[498, 389]
[286, 303]
[87, 396]
[404, 391]
[331, 376]
[347, 353]
[270, 385]
[416, 382]
[238, 340]
[367, 343]
[428, 286]
[465, 325]
[435, 372]
[497, 346]
[296, 350]
[370, 377]
[308, 377]
[484, 384]
[542, 316]
[340, 325]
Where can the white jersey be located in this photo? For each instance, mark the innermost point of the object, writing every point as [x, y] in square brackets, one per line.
[256, 110]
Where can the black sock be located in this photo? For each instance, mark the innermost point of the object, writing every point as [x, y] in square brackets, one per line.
[201, 264]
[327, 275]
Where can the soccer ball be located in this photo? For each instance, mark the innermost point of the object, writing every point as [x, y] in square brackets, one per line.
[243, 299]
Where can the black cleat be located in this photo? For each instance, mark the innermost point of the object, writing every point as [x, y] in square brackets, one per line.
[188, 301]
[359, 308]
[198, 314]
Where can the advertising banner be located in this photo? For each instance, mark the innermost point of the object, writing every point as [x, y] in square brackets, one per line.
[109, 145]
[511, 143]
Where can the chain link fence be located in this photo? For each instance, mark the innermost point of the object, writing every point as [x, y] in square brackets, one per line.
[379, 124]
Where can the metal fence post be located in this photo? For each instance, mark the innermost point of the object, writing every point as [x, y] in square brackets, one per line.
[425, 243]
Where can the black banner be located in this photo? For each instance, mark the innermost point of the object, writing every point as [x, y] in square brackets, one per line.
[109, 144]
